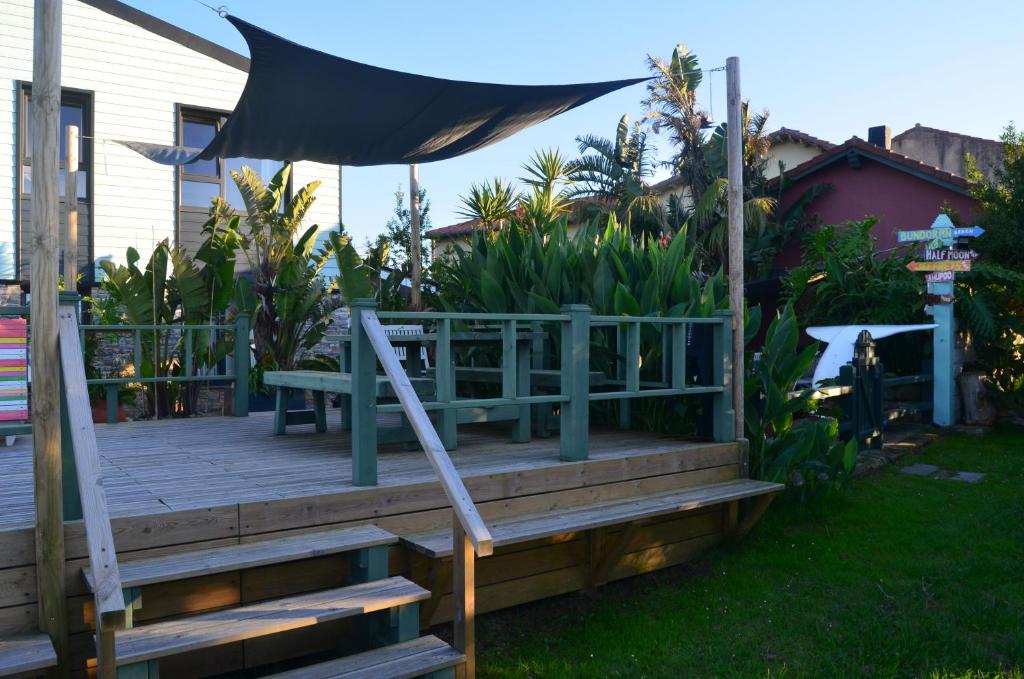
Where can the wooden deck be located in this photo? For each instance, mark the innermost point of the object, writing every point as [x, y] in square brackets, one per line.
[154, 467]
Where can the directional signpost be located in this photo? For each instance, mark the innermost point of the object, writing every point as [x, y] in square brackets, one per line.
[942, 261]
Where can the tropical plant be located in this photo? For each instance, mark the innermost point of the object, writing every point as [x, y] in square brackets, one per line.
[615, 172]
[672, 107]
[786, 444]
[549, 178]
[844, 279]
[291, 313]
[491, 204]
[172, 289]
[365, 277]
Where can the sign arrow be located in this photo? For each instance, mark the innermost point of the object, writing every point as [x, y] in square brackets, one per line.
[957, 265]
[949, 255]
[938, 299]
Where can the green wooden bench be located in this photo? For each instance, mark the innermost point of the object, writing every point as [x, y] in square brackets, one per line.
[320, 382]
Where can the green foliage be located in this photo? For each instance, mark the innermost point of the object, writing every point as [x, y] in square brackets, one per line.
[990, 299]
[492, 204]
[616, 172]
[174, 288]
[843, 279]
[290, 311]
[398, 230]
[787, 445]
[363, 278]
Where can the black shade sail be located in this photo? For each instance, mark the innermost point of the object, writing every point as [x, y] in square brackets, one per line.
[302, 104]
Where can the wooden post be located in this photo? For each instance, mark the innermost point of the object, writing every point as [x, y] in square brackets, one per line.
[241, 405]
[46, 436]
[464, 595]
[724, 423]
[364, 399]
[71, 207]
[736, 275]
[414, 235]
[574, 420]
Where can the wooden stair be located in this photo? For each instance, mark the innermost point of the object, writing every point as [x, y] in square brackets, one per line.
[22, 655]
[512, 530]
[407, 659]
[138, 650]
[163, 639]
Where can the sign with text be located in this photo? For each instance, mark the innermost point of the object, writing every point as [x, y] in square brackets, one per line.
[941, 234]
[955, 265]
[949, 255]
[940, 277]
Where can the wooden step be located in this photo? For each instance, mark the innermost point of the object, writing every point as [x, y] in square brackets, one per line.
[249, 555]
[517, 529]
[26, 653]
[258, 620]
[398, 661]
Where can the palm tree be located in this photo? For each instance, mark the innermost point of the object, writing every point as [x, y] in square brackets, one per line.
[549, 178]
[616, 172]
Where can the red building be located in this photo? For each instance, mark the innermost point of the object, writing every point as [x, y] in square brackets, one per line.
[869, 179]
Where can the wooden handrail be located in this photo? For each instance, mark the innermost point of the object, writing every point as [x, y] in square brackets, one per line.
[110, 606]
[462, 503]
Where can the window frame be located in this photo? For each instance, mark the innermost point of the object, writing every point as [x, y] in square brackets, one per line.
[68, 95]
[205, 114]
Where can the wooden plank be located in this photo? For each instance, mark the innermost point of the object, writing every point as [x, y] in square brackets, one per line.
[337, 382]
[446, 473]
[98, 533]
[592, 516]
[26, 653]
[413, 658]
[192, 564]
[222, 627]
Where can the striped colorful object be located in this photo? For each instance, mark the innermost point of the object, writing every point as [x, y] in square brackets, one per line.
[13, 369]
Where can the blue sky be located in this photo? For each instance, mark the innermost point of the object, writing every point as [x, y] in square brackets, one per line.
[829, 69]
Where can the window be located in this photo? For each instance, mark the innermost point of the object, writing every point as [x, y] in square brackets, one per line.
[75, 109]
[203, 180]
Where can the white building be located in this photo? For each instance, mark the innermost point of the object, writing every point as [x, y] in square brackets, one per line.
[126, 76]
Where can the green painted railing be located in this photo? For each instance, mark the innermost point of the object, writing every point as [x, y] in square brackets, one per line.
[575, 326]
[238, 377]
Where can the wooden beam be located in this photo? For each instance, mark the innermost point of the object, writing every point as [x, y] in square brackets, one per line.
[99, 537]
[755, 511]
[414, 236]
[466, 513]
[736, 274]
[464, 593]
[71, 209]
[46, 450]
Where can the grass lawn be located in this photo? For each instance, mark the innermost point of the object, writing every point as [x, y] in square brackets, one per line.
[899, 576]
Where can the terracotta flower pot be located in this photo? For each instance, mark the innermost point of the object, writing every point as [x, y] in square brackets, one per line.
[99, 412]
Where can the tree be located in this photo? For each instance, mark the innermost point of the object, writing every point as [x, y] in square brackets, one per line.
[399, 229]
[1001, 204]
[492, 204]
[616, 172]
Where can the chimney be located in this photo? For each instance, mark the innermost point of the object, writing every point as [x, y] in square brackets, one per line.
[880, 135]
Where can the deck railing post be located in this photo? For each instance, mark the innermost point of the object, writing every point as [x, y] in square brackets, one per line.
[364, 398]
[724, 415]
[574, 421]
[242, 328]
[464, 594]
[445, 371]
[69, 474]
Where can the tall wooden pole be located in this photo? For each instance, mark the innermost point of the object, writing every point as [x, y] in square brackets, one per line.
[735, 145]
[49, 533]
[71, 205]
[414, 234]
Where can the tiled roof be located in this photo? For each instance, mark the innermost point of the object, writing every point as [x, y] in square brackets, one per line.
[789, 134]
[899, 161]
[453, 230]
